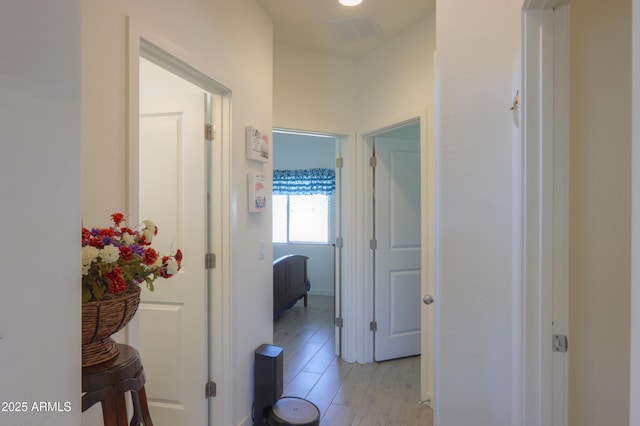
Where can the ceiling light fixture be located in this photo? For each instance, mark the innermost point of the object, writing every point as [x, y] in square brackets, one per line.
[350, 2]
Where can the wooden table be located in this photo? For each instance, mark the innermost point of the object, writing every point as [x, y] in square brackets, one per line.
[108, 382]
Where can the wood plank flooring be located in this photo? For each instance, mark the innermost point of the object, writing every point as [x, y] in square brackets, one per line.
[376, 394]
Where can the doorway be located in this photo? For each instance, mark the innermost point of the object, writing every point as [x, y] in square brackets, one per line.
[179, 327]
[396, 241]
[307, 221]
[359, 300]
[172, 192]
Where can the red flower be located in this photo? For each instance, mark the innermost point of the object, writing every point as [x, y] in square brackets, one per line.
[149, 257]
[126, 253]
[117, 218]
[155, 230]
[96, 242]
[86, 234]
[117, 284]
[127, 230]
[108, 232]
[179, 256]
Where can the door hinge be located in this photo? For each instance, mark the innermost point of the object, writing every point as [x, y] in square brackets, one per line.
[373, 326]
[339, 322]
[339, 162]
[373, 244]
[339, 242]
[560, 343]
[210, 389]
[373, 161]
[209, 132]
[209, 261]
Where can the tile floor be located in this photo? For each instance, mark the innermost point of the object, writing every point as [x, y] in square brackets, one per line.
[376, 394]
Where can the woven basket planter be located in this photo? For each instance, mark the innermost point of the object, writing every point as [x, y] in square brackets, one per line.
[102, 319]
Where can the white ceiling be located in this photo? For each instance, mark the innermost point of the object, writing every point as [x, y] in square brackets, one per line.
[327, 26]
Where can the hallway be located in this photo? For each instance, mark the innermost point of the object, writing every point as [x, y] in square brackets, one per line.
[383, 394]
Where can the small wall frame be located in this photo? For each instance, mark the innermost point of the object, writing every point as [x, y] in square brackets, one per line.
[257, 145]
[257, 192]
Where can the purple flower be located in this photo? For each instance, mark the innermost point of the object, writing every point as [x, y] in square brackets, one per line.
[139, 250]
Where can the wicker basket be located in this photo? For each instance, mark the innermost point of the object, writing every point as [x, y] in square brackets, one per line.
[102, 319]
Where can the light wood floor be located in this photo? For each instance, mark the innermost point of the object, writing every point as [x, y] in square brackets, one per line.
[384, 393]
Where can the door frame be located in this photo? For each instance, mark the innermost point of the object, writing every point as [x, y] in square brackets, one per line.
[360, 296]
[144, 42]
[634, 397]
[543, 303]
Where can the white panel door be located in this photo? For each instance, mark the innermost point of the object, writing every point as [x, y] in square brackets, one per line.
[173, 318]
[397, 257]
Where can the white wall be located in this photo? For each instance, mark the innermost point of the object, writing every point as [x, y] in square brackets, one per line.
[232, 43]
[474, 124]
[294, 151]
[313, 92]
[40, 209]
[397, 78]
[320, 92]
[600, 205]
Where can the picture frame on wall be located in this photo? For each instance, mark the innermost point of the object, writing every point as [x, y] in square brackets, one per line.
[257, 192]
[257, 145]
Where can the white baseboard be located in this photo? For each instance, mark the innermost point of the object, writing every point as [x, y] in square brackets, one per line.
[321, 293]
[247, 421]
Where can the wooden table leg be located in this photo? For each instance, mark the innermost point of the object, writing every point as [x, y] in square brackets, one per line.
[109, 383]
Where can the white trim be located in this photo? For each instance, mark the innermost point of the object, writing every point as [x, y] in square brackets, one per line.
[561, 164]
[634, 393]
[327, 293]
[143, 42]
[543, 4]
[543, 385]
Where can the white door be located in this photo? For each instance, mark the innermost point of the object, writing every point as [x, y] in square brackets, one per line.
[173, 319]
[397, 255]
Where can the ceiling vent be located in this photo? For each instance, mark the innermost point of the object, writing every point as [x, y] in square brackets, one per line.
[355, 29]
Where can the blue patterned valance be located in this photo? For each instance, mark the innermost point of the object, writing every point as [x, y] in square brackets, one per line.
[304, 182]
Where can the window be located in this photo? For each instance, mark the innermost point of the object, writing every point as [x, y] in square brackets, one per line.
[301, 205]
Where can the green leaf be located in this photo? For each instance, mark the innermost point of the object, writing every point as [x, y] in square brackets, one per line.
[98, 292]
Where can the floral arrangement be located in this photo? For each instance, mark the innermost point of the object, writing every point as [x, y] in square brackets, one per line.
[117, 259]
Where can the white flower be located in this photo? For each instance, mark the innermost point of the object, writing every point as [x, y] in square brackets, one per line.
[148, 224]
[148, 235]
[128, 238]
[172, 266]
[89, 255]
[110, 253]
[85, 269]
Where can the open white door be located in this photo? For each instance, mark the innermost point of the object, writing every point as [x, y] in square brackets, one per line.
[173, 319]
[397, 226]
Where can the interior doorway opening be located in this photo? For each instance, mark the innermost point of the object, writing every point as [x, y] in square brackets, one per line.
[361, 299]
[306, 211]
[202, 182]
[395, 216]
